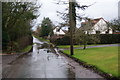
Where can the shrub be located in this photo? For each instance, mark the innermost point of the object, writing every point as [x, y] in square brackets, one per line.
[62, 41]
[103, 39]
[5, 40]
[25, 41]
[109, 38]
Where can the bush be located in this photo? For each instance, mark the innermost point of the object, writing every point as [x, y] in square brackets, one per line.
[62, 41]
[5, 40]
[25, 41]
[109, 38]
[12, 47]
[103, 39]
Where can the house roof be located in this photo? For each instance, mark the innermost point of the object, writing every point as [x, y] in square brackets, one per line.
[91, 22]
[65, 31]
[59, 28]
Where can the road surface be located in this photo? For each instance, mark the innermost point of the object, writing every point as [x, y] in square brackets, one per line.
[97, 46]
[46, 63]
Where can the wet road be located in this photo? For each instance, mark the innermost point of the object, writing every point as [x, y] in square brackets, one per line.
[45, 63]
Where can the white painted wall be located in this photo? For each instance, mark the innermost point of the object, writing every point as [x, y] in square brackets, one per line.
[111, 31]
[60, 32]
[92, 32]
[100, 26]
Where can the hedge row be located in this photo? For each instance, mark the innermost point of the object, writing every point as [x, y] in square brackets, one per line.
[109, 38]
[63, 41]
[104, 39]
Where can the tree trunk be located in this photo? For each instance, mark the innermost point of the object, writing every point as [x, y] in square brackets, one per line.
[72, 23]
[84, 46]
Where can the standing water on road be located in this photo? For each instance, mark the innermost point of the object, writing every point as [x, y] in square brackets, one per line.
[45, 63]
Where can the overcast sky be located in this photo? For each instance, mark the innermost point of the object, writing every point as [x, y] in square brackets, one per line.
[108, 9]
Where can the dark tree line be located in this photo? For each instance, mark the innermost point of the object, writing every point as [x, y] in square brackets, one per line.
[16, 24]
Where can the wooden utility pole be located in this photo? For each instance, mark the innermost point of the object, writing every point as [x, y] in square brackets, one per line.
[72, 23]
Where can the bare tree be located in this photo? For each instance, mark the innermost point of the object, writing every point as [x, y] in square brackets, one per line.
[84, 36]
[70, 18]
[115, 24]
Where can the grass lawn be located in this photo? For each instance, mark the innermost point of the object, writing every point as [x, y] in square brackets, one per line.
[104, 58]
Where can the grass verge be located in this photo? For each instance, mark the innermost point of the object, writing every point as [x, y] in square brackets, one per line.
[28, 48]
[41, 39]
[104, 58]
[76, 46]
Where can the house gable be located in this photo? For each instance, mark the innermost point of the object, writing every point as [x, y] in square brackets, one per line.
[58, 31]
[98, 25]
[101, 25]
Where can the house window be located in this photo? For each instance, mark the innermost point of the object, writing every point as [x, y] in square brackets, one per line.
[97, 32]
[57, 30]
[107, 32]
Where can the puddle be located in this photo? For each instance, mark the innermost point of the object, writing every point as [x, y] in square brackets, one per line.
[47, 63]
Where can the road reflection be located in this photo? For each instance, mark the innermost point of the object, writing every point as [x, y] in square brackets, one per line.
[49, 64]
[45, 62]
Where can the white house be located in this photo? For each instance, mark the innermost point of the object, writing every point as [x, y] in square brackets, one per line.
[94, 26]
[58, 31]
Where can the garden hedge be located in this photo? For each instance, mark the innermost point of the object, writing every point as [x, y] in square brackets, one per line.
[104, 39]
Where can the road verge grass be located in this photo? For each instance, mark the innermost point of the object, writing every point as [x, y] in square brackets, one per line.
[76, 46]
[104, 58]
[27, 49]
[41, 39]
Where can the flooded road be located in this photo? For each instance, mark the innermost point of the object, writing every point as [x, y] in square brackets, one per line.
[46, 63]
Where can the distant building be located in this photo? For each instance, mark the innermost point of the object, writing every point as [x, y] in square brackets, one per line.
[119, 9]
[96, 26]
[58, 31]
